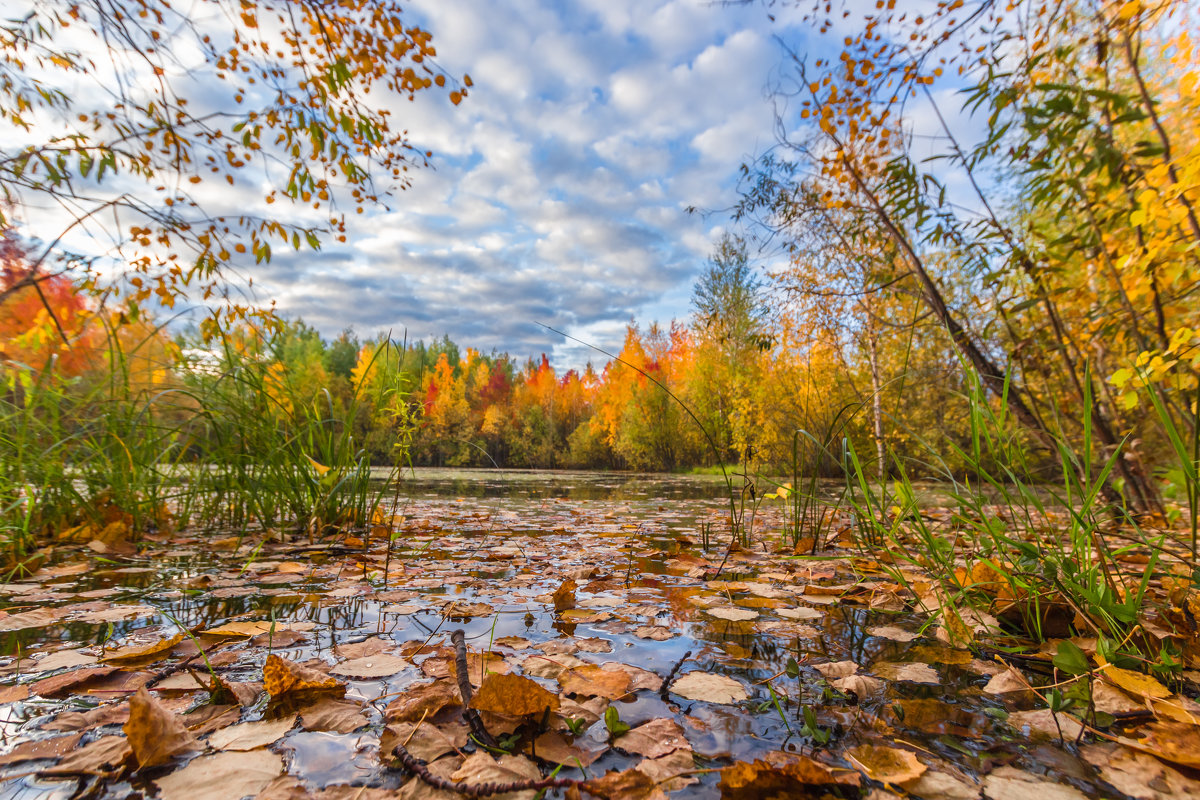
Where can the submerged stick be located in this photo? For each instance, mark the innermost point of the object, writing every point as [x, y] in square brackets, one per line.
[458, 638]
[664, 691]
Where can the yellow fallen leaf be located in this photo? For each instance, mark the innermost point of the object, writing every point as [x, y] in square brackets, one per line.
[886, 764]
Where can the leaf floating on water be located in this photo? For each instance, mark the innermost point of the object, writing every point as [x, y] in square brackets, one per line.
[513, 696]
[591, 680]
[282, 677]
[910, 671]
[155, 734]
[744, 781]
[1176, 742]
[377, 666]
[251, 735]
[655, 739]
[732, 614]
[331, 714]
[656, 633]
[886, 764]
[421, 700]
[222, 776]
[142, 653]
[629, 784]
[564, 596]
[462, 609]
[710, 688]
[1007, 783]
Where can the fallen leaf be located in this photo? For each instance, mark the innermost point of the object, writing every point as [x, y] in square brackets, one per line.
[142, 653]
[907, 671]
[732, 614]
[54, 748]
[104, 755]
[943, 786]
[745, 781]
[709, 688]
[1139, 775]
[892, 632]
[629, 784]
[657, 633]
[66, 682]
[1041, 722]
[564, 595]
[861, 685]
[886, 764]
[332, 714]
[836, 669]
[460, 608]
[557, 748]
[63, 659]
[513, 696]
[799, 613]
[426, 742]
[1136, 683]
[155, 734]
[480, 767]
[375, 666]
[251, 735]
[422, 699]
[282, 677]
[1007, 783]
[1177, 742]
[591, 680]
[654, 739]
[222, 776]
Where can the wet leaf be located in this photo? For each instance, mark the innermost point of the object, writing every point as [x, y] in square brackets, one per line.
[282, 677]
[332, 714]
[732, 614]
[746, 781]
[1007, 783]
[910, 671]
[425, 741]
[375, 666]
[657, 633]
[1176, 742]
[422, 699]
[54, 748]
[222, 776]
[556, 748]
[513, 696]
[482, 768]
[629, 784]
[142, 653]
[1138, 774]
[709, 688]
[251, 735]
[1136, 683]
[1070, 659]
[104, 755]
[886, 764]
[564, 595]
[655, 739]
[155, 734]
[591, 680]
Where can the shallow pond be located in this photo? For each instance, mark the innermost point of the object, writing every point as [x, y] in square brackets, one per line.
[546, 574]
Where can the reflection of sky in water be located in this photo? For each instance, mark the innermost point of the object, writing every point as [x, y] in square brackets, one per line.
[508, 551]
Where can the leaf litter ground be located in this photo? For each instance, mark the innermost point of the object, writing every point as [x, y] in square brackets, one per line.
[600, 645]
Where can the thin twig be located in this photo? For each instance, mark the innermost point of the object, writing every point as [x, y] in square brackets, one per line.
[458, 638]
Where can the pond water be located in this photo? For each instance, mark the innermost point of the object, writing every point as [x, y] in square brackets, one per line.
[657, 595]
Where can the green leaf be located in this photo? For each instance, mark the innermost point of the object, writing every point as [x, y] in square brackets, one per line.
[612, 721]
[1071, 660]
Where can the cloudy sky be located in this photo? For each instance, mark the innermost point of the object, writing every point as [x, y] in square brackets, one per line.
[561, 183]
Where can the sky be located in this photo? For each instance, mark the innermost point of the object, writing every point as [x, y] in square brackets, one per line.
[560, 186]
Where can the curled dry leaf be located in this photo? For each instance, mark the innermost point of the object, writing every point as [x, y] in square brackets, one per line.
[513, 696]
[709, 688]
[155, 734]
[886, 764]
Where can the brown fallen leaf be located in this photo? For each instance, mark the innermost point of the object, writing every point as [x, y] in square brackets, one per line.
[282, 677]
[421, 700]
[669, 772]
[745, 781]
[142, 654]
[105, 755]
[426, 742]
[1007, 783]
[482, 768]
[155, 734]
[709, 688]
[374, 666]
[886, 764]
[62, 685]
[629, 784]
[591, 680]
[557, 748]
[564, 595]
[1138, 774]
[654, 739]
[1177, 742]
[331, 714]
[54, 748]
[222, 776]
[251, 735]
[513, 696]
